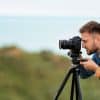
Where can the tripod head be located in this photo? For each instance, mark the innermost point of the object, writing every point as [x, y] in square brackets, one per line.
[75, 57]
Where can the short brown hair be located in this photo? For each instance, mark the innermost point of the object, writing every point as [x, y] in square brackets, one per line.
[90, 27]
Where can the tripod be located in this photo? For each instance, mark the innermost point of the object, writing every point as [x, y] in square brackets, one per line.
[75, 86]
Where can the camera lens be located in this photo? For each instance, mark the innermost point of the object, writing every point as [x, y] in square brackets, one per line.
[63, 44]
[73, 44]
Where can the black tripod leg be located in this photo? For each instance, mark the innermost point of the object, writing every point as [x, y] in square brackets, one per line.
[77, 86]
[63, 83]
[72, 87]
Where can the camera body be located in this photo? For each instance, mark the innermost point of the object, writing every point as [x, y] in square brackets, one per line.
[74, 44]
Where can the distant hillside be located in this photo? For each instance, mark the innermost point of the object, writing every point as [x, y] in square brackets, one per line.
[37, 76]
[21, 72]
[10, 51]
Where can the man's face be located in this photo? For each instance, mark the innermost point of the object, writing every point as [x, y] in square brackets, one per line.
[88, 42]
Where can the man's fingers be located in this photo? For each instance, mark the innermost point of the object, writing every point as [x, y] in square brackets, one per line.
[83, 60]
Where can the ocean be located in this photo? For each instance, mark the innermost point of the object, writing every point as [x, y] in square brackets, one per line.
[36, 33]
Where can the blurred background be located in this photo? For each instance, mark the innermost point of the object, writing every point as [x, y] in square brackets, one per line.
[32, 66]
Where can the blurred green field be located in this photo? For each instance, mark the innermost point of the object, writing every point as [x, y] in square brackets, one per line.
[37, 76]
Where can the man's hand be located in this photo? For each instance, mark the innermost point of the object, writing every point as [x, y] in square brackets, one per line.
[89, 65]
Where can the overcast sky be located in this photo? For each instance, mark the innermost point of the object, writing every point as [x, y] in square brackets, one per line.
[48, 31]
[50, 7]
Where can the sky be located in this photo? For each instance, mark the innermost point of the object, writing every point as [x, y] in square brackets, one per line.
[50, 7]
[39, 24]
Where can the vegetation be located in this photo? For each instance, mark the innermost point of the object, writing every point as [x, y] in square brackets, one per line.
[37, 76]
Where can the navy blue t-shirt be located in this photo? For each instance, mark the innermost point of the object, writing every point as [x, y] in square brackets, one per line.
[87, 73]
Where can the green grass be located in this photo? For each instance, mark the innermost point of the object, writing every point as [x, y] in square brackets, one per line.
[37, 76]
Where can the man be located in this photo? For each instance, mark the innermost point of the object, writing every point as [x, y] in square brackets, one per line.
[90, 35]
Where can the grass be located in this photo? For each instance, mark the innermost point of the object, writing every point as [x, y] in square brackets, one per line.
[37, 76]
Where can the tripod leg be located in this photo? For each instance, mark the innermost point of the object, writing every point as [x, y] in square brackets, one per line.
[63, 83]
[72, 87]
[77, 86]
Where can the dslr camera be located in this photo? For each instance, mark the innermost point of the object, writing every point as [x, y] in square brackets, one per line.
[74, 44]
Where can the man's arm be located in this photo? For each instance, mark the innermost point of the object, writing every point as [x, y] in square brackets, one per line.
[85, 73]
[92, 66]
